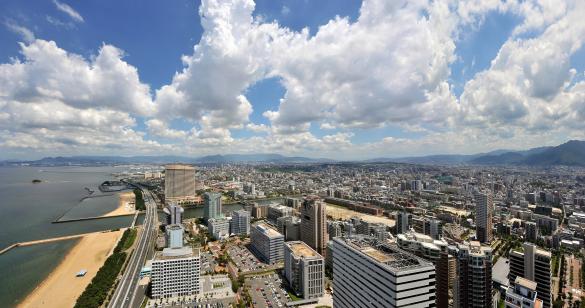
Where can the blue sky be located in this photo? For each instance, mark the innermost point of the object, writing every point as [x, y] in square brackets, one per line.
[388, 106]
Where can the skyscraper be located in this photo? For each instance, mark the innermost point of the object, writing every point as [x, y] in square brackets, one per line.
[212, 205]
[474, 269]
[240, 223]
[179, 183]
[484, 205]
[403, 222]
[533, 264]
[368, 273]
[314, 224]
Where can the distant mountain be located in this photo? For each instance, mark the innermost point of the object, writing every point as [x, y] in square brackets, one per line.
[443, 159]
[211, 159]
[571, 153]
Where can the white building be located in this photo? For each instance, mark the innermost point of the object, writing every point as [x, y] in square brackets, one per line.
[174, 214]
[367, 273]
[175, 272]
[174, 236]
[240, 223]
[304, 269]
[267, 243]
[522, 294]
[533, 264]
[219, 228]
[484, 209]
[276, 211]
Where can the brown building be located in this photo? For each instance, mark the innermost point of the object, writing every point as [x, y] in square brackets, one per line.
[314, 224]
[446, 271]
[259, 211]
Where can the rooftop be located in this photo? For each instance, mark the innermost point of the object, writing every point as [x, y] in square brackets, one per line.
[529, 284]
[176, 253]
[301, 249]
[391, 257]
[264, 228]
[179, 167]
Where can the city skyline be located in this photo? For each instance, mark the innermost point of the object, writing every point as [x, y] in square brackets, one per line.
[316, 78]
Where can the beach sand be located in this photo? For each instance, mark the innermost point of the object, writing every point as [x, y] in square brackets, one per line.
[338, 212]
[125, 205]
[61, 288]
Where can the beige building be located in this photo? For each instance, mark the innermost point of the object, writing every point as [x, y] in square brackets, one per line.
[314, 224]
[180, 183]
[304, 269]
[484, 209]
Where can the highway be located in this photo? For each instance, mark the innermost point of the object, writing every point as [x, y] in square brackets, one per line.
[125, 294]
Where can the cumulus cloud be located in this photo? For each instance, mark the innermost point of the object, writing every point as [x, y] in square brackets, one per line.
[67, 9]
[48, 72]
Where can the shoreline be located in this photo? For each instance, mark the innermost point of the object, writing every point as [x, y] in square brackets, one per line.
[125, 205]
[61, 287]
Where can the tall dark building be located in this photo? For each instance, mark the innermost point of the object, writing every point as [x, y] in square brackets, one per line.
[474, 269]
[314, 224]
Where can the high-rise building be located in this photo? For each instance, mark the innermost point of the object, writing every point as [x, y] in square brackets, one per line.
[416, 185]
[533, 264]
[522, 294]
[334, 228]
[175, 272]
[174, 236]
[212, 205]
[259, 210]
[370, 273]
[530, 231]
[267, 243]
[314, 224]
[484, 208]
[403, 222]
[276, 211]
[179, 183]
[474, 269]
[240, 223]
[304, 269]
[219, 228]
[435, 251]
[174, 214]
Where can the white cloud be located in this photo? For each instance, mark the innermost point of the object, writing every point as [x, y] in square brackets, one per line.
[48, 72]
[67, 9]
[285, 10]
[26, 34]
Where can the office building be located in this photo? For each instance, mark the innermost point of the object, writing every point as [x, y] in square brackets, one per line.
[334, 228]
[403, 222]
[369, 273]
[314, 224]
[522, 294]
[179, 183]
[304, 270]
[212, 205]
[240, 223]
[292, 229]
[219, 228]
[474, 269]
[484, 208]
[174, 214]
[174, 236]
[175, 272]
[416, 185]
[276, 211]
[533, 264]
[267, 243]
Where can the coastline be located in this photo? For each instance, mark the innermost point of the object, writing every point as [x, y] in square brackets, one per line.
[61, 287]
[125, 205]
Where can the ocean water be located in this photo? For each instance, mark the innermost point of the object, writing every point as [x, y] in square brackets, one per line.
[26, 213]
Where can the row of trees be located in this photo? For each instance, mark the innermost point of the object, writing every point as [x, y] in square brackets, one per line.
[139, 203]
[96, 292]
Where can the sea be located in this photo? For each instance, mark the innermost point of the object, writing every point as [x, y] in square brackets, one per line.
[27, 211]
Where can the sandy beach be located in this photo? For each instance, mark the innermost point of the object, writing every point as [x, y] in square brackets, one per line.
[125, 205]
[338, 212]
[61, 288]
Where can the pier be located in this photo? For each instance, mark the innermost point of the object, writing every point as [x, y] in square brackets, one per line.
[59, 220]
[44, 241]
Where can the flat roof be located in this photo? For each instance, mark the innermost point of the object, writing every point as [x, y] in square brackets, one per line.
[301, 249]
[268, 230]
[176, 253]
[389, 256]
[529, 284]
[179, 166]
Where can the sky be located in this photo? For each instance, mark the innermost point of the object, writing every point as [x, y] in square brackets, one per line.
[341, 79]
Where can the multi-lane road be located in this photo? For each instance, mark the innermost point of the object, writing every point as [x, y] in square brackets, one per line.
[126, 292]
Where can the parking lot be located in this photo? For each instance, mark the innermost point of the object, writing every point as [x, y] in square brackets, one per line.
[244, 259]
[267, 291]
